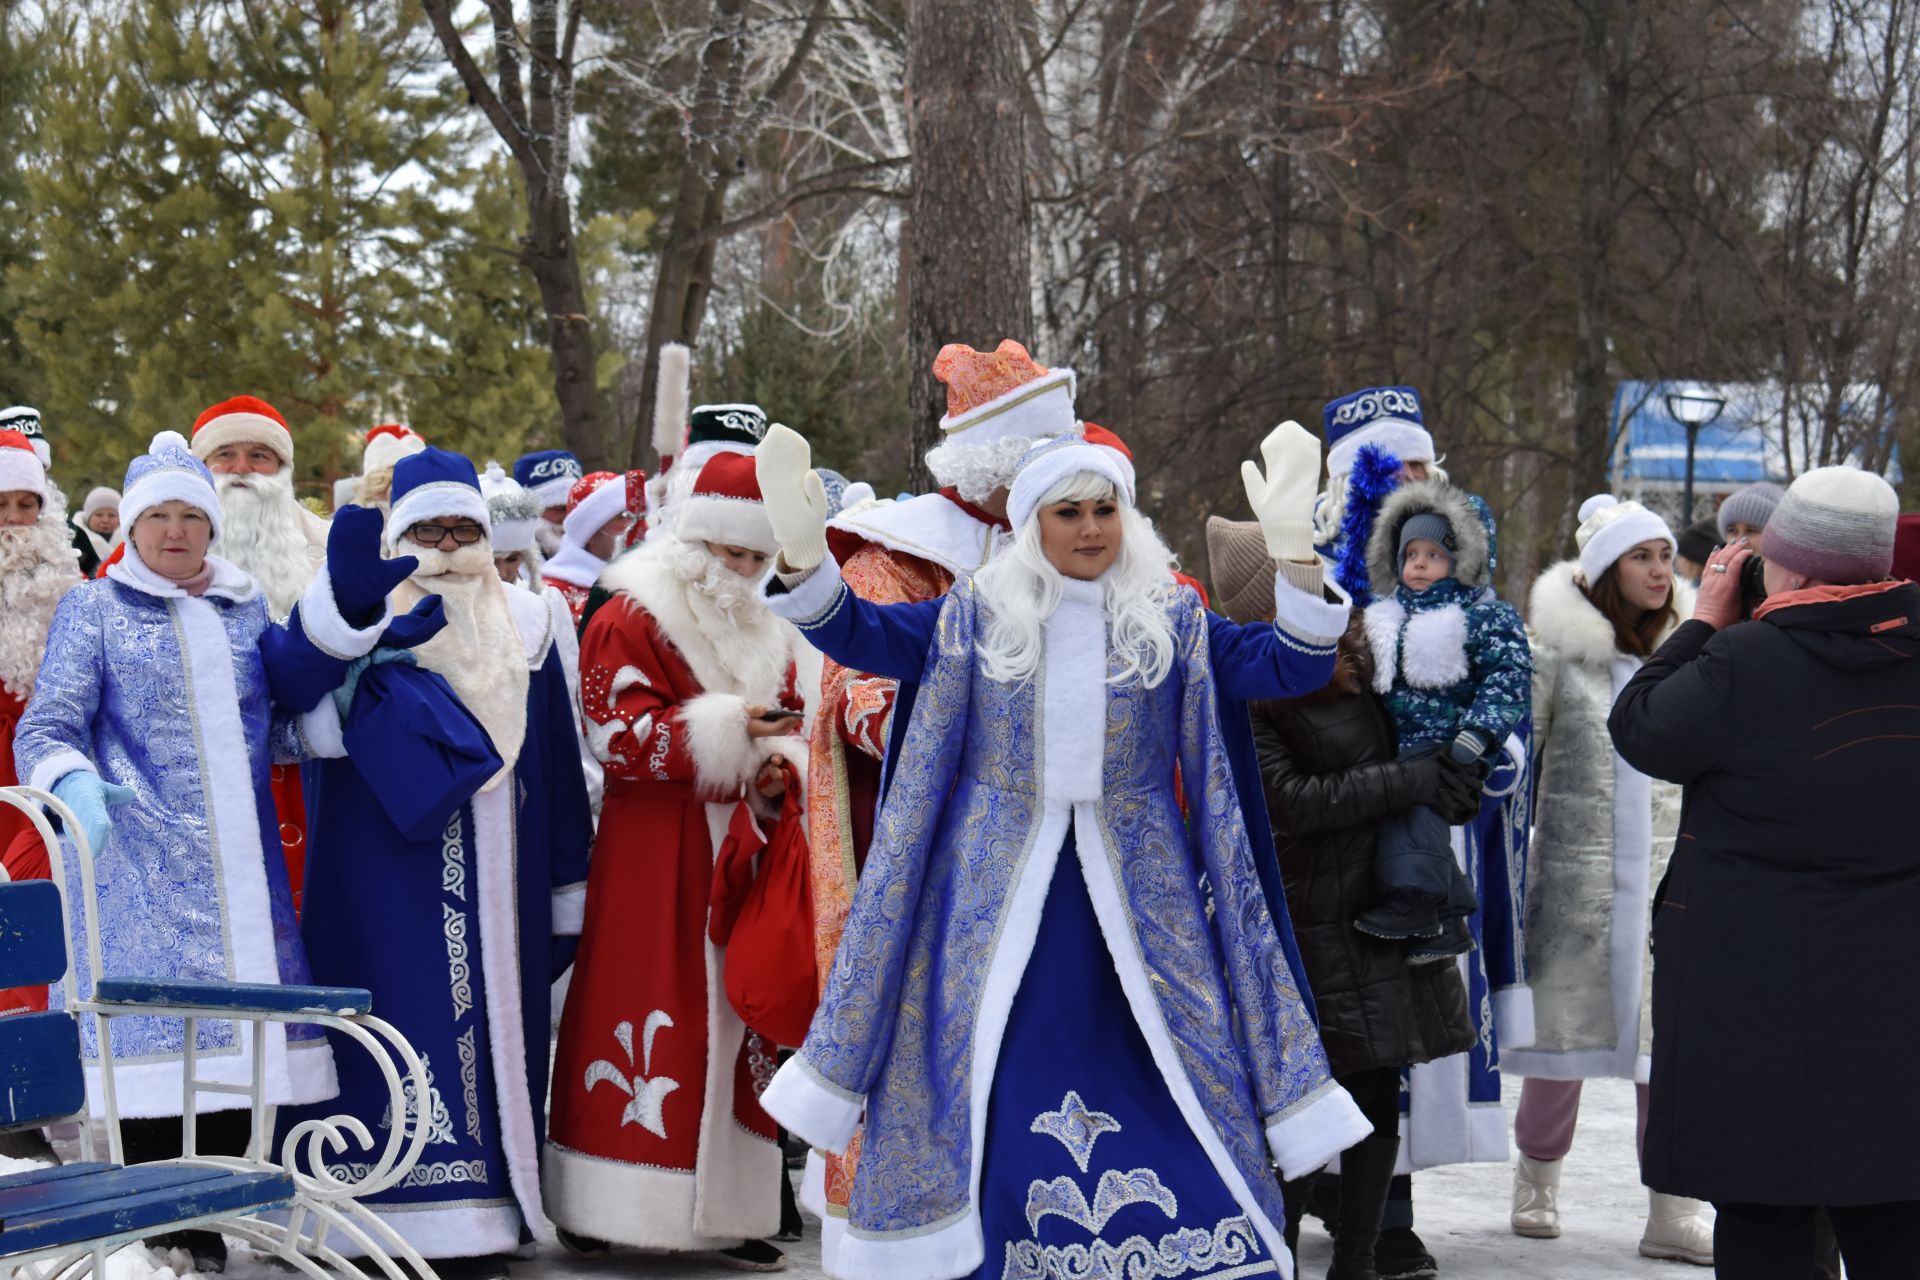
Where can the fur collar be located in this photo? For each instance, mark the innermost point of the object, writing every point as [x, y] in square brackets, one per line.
[749, 659]
[1428, 649]
[931, 526]
[1473, 549]
[1565, 622]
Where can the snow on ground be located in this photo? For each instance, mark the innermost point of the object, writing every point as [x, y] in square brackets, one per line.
[1461, 1212]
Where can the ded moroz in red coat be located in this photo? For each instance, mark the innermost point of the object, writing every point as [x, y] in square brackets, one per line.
[657, 1139]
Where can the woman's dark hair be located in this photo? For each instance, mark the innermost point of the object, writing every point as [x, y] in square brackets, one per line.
[1635, 630]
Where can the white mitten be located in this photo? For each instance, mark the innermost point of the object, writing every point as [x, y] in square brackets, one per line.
[795, 499]
[1282, 499]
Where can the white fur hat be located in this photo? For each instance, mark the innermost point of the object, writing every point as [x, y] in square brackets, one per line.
[165, 472]
[1046, 465]
[725, 506]
[20, 467]
[1609, 528]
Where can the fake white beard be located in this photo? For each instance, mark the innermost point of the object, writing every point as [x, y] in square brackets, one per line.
[37, 566]
[732, 619]
[479, 653]
[548, 538]
[261, 533]
[977, 470]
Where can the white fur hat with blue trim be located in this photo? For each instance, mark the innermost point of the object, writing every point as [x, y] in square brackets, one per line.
[165, 472]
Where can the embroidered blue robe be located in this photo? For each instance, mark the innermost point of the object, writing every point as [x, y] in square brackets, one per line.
[994, 787]
[454, 934]
[164, 693]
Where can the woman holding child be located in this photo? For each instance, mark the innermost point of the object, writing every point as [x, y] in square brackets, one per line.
[1602, 836]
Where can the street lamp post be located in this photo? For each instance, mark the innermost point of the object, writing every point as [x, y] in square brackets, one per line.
[1693, 410]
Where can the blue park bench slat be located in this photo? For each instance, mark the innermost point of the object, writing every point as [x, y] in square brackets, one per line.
[238, 996]
[23, 1203]
[33, 944]
[112, 1211]
[51, 1173]
[40, 1077]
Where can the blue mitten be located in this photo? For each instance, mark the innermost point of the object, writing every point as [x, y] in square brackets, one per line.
[89, 797]
[362, 577]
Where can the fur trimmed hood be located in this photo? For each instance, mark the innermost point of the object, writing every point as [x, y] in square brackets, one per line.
[1563, 621]
[1468, 516]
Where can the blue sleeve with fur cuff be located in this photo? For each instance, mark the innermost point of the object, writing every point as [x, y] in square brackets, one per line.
[890, 640]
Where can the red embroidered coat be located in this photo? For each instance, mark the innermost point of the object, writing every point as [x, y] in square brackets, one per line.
[655, 1077]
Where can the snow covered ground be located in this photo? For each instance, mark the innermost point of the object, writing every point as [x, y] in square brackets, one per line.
[1461, 1213]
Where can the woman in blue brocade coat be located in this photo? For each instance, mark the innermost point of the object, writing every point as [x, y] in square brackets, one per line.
[1068, 1065]
[151, 718]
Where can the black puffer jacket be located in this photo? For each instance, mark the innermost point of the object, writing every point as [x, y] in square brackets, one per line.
[1784, 939]
[1327, 761]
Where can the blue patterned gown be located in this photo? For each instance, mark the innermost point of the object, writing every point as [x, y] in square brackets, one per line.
[1031, 973]
[165, 693]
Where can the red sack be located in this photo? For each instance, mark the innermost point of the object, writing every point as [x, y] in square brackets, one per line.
[764, 918]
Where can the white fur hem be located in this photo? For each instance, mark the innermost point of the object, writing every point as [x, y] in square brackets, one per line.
[1315, 1130]
[459, 1229]
[1442, 1126]
[1311, 624]
[810, 601]
[1513, 1017]
[950, 1248]
[570, 909]
[807, 1103]
[636, 1205]
[734, 1194]
[320, 619]
[57, 766]
[322, 731]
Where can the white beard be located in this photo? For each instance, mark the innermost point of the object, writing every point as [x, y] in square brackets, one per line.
[37, 566]
[727, 609]
[262, 534]
[548, 538]
[479, 653]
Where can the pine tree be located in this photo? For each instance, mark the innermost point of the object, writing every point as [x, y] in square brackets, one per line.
[273, 199]
[20, 379]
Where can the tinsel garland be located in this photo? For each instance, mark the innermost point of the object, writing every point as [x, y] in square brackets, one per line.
[1375, 474]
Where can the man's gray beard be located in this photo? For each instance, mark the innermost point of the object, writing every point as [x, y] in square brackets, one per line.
[549, 537]
[37, 566]
[479, 653]
[261, 532]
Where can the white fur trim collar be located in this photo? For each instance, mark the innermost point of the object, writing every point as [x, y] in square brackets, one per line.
[750, 660]
[1564, 621]
[230, 581]
[575, 566]
[932, 527]
[1428, 648]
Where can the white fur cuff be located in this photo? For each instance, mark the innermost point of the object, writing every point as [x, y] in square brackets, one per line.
[320, 619]
[805, 1103]
[1307, 621]
[1513, 1017]
[58, 766]
[1315, 1130]
[812, 600]
[725, 757]
[321, 730]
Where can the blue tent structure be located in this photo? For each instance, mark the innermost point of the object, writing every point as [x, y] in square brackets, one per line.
[1647, 445]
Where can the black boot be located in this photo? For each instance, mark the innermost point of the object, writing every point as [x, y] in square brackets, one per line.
[1400, 1255]
[1348, 1265]
[1455, 940]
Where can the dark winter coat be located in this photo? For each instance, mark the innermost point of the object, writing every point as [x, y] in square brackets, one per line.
[1784, 938]
[1328, 764]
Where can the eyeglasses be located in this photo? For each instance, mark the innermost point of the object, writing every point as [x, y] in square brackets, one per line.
[433, 535]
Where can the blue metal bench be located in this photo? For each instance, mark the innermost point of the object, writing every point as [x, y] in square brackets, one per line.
[61, 1222]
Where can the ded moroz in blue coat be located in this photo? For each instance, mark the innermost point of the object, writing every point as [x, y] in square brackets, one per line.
[454, 932]
[1060, 1055]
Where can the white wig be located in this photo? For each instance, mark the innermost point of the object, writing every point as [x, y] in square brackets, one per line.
[1020, 589]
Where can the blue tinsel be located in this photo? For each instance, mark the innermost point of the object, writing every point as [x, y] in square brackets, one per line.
[1375, 474]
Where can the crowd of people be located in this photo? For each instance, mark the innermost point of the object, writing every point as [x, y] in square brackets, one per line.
[1072, 921]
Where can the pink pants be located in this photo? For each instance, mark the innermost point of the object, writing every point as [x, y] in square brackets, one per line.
[1543, 1127]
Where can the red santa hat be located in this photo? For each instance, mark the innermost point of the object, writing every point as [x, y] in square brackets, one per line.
[597, 497]
[20, 469]
[242, 420]
[387, 444]
[725, 506]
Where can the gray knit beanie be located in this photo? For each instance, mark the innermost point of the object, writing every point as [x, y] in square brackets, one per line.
[1430, 525]
[1752, 505]
[1835, 525]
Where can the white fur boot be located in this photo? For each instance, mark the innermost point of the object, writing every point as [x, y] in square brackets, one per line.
[1676, 1232]
[1536, 1199]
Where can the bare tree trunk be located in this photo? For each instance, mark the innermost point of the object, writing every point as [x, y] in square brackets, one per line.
[1599, 100]
[968, 256]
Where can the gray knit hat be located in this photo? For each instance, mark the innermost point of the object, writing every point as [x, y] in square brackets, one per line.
[1835, 525]
[1752, 505]
[1430, 525]
[1241, 569]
